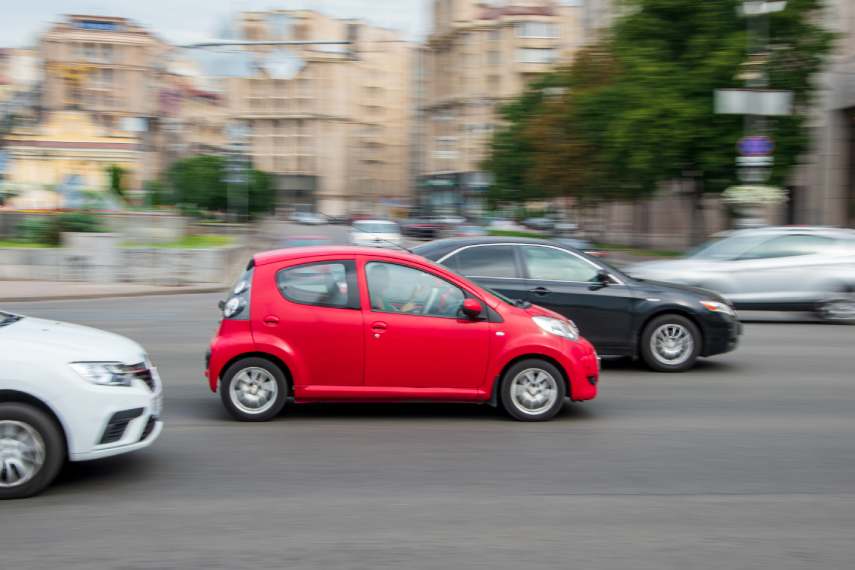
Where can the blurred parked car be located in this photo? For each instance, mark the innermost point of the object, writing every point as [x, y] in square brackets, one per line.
[469, 231]
[69, 392]
[503, 224]
[773, 268]
[308, 218]
[582, 245]
[338, 219]
[304, 241]
[668, 326]
[376, 233]
[423, 228]
[351, 325]
[542, 224]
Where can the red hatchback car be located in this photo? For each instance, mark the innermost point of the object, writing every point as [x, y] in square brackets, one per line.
[348, 324]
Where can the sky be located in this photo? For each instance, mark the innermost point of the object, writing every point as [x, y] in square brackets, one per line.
[188, 20]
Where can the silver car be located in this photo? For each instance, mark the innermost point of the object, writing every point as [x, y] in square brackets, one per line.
[773, 268]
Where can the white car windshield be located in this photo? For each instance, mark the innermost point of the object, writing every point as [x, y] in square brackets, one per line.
[729, 247]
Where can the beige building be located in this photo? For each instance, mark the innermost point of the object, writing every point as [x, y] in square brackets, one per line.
[331, 122]
[482, 54]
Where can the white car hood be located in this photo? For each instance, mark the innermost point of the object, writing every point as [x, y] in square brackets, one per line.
[71, 342]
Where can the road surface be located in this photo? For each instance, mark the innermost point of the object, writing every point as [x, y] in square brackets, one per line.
[746, 462]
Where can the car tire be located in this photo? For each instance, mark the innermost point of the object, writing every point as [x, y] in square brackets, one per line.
[533, 390]
[670, 343]
[838, 308]
[32, 450]
[254, 390]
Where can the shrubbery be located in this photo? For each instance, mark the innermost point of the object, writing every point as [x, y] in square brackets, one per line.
[48, 229]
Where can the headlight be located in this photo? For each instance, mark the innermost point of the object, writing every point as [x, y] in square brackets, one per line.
[233, 307]
[103, 373]
[558, 327]
[717, 307]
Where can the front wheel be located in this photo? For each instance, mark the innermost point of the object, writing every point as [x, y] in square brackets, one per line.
[839, 308]
[32, 450]
[254, 390]
[670, 343]
[532, 390]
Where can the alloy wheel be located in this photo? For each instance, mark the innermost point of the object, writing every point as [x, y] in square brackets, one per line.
[253, 390]
[672, 344]
[533, 391]
[22, 453]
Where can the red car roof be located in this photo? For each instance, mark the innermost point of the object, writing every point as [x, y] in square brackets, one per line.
[278, 255]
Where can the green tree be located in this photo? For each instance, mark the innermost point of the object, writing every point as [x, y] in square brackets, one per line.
[199, 184]
[638, 109]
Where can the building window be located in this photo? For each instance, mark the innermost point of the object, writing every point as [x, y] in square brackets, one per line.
[537, 30]
[446, 147]
[536, 55]
[493, 57]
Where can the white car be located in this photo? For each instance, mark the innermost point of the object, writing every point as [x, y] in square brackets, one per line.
[308, 218]
[69, 392]
[375, 233]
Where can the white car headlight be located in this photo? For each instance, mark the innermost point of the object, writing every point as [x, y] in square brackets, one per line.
[558, 327]
[103, 373]
[717, 307]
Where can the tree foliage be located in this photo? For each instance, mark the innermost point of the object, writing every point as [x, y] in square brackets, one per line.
[637, 109]
[199, 183]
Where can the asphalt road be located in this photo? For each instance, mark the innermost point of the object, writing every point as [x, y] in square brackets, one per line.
[746, 462]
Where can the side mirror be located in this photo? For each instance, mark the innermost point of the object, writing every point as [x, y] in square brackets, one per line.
[471, 308]
[603, 278]
[221, 305]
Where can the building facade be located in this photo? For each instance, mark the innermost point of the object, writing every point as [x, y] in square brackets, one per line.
[331, 122]
[823, 191]
[480, 55]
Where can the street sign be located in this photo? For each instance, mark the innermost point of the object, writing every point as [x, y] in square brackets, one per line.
[755, 161]
[762, 102]
[756, 146]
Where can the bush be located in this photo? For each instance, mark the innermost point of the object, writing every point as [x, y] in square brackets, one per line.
[84, 222]
[39, 230]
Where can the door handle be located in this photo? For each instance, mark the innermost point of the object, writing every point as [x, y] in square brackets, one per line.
[540, 291]
[379, 326]
[271, 320]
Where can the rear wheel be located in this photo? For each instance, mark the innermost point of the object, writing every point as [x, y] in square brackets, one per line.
[254, 390]
[670, 343]
[32, 450]
[532, 390]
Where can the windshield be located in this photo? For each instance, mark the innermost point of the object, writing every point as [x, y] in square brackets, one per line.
[8, 319]
[376, 227]
[727, 248]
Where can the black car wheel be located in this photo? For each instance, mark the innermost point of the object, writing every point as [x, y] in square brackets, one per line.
[32, 450]
[670, 343]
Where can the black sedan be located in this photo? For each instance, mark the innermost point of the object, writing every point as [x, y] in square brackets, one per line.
[668, 326]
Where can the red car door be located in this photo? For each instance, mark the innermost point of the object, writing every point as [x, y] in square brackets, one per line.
[416, 336]
[311, 312]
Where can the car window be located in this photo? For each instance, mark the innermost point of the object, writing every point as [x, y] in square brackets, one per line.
[376, 227]
[398, 289]
[326, 284]
[551, 264]
[789, 246]
[485, 261]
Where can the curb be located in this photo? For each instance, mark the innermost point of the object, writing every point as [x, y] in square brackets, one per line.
[117, 295]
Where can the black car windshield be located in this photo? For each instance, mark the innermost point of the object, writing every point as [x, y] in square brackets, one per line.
[8, 319]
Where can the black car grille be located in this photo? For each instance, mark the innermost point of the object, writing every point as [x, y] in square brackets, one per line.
[118, 424]
[142, 372]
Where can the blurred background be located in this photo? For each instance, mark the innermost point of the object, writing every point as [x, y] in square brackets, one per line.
[173, 140]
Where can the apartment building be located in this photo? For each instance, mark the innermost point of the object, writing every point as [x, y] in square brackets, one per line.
[108, 66]
[482, 54]
[331, 122]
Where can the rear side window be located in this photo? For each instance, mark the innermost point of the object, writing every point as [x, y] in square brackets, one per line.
[322, 284]
[485, 261]
[790, 246]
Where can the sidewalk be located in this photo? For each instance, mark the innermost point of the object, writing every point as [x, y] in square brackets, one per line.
[14, 291]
